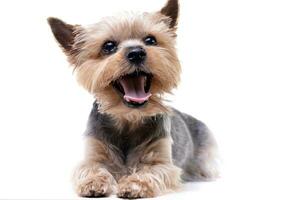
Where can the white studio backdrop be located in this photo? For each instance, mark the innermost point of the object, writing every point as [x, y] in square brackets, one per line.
[241, 76]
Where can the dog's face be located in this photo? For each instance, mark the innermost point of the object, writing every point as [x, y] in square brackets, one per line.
[128, 62]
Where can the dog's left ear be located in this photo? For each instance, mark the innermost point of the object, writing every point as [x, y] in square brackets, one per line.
[171, 10]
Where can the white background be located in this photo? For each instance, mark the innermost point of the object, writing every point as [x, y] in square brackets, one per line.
[241, 76]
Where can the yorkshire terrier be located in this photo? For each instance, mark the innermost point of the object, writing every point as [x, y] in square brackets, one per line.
[136, 146]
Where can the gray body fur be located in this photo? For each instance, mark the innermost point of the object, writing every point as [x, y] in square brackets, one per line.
[192, 149]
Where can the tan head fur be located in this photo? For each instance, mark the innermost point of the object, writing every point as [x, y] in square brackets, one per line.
[96, 72]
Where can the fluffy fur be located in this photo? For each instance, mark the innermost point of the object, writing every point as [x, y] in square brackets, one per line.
[134, 152]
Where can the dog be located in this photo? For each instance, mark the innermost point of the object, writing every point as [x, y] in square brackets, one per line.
[136, 146]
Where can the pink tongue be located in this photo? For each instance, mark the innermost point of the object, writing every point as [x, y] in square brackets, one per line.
[134, 89]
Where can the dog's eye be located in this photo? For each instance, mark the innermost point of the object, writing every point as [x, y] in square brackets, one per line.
[150, 40]
[109, 47]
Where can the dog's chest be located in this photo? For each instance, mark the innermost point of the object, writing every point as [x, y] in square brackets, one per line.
[126, 140]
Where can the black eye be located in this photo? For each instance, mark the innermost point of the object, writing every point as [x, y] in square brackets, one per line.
[109, 47]
[150, 40]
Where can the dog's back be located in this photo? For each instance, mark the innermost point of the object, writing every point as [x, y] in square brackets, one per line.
[194, 148]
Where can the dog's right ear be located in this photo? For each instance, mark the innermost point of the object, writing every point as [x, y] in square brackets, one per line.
[64, 33]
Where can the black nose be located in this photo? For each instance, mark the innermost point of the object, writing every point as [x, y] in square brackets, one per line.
[136, 55]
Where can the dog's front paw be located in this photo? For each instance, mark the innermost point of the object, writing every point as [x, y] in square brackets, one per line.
[96, 186]
[131, 187]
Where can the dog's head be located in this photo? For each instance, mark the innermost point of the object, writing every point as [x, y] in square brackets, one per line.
[128, 62]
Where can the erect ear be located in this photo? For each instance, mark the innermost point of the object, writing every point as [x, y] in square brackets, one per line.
[64, 33]
[171, 10]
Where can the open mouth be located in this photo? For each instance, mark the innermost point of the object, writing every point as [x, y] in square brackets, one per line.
[134, 88]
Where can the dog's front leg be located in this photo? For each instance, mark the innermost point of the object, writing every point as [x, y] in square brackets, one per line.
[91, 178]
[154, 174]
